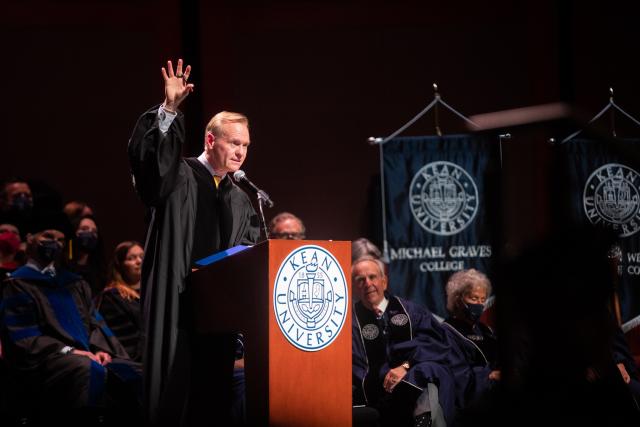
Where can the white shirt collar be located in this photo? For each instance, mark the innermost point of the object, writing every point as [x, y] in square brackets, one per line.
[49, 269]
[202, 158]
[383, 305]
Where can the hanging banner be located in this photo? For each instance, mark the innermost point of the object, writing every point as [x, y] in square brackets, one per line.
[605, 191]
[436, 212]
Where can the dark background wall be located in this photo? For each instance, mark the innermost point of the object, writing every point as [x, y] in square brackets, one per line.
[315, 78]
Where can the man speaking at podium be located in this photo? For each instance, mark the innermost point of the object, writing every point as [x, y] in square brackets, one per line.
[195, 209]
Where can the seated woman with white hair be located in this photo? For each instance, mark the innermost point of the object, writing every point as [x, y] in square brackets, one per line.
[467, 293]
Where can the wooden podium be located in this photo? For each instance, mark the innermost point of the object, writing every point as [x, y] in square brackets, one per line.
[291, 300]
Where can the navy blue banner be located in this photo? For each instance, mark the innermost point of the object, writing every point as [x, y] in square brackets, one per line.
[605, 191]
[436, 212]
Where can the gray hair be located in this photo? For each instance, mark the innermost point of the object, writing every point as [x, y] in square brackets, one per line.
[462, 282]
[364, 247]
[375, 260]
[283, 216]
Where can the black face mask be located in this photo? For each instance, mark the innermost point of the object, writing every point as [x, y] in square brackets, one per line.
[473, 311]
[87, 240]
[48, 250]
[22, 204]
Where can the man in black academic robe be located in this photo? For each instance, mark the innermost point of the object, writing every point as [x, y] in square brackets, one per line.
[61, 354]
[195, 210]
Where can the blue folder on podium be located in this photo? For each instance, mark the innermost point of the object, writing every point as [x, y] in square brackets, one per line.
[220, 255]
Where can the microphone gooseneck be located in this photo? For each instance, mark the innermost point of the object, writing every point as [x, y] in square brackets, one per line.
[263, 197]
[241, 176]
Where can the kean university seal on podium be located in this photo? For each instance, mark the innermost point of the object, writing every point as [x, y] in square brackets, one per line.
[310, 298]
[443, 198]
[611, 196]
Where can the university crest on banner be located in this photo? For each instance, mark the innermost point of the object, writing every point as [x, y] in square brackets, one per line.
[436, 212]
[605, 191]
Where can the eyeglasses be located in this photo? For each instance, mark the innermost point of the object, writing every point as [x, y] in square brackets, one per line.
[287, 236]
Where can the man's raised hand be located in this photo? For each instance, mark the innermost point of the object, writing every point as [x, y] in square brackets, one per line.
[176, 87]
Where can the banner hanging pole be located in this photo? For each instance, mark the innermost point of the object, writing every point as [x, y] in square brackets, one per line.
[436, 110]
[612, 115]
[609, 105]
[385, 245]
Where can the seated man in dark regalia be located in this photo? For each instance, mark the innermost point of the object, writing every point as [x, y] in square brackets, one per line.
[286, 226]
[405, 364]
[59, 350]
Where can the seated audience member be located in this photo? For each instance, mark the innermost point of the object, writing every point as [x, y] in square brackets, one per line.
[86, 256]
[56, 346]
[119, 302]
[75, 209]
[362, 415]
[9, 247]
[467, 292]
[16, 204]
[404, 364]
[286, 226]
[364, 247]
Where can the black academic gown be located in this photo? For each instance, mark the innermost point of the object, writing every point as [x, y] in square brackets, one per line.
[478, 340]
[168, 186]
[42, 314]
[124, 318]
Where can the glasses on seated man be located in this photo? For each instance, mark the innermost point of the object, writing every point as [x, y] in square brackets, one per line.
[286, 226]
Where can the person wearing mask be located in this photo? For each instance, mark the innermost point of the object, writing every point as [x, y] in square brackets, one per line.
[16, 204]
[467, 292]
[86, 256]
[405, 364]
[119, 302]
[9, 247]
[57, 347]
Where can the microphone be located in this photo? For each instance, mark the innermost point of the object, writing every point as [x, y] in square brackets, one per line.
[240, 176]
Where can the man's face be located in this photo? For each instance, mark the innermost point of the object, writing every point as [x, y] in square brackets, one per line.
[47, 235]
[227, 152]
[370, 283]
[17, 190]
[35, 240]
[289, 228]
[9, 239]
[9, 228]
